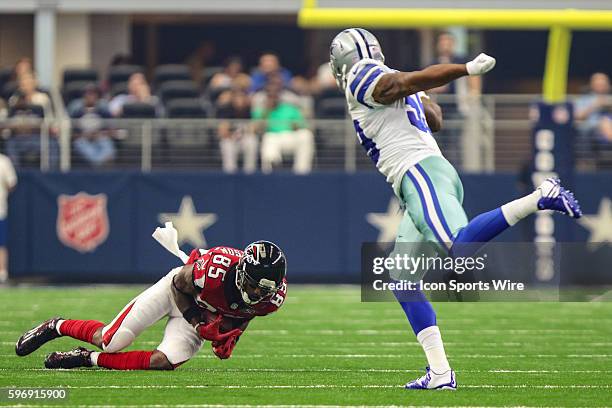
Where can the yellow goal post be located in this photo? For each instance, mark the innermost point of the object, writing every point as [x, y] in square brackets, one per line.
[560, 24]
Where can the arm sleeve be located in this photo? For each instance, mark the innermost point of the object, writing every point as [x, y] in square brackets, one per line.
[362, 81]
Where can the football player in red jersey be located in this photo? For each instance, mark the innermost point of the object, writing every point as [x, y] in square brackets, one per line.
[212, 297]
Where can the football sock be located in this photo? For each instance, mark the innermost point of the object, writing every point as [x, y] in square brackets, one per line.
[487, 226]
[479, 230]
[431, 341]
[79, 329]
[516, 210]
[129, 360]
[417, 308]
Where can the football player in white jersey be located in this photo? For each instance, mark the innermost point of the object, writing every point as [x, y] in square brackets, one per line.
[394, 120]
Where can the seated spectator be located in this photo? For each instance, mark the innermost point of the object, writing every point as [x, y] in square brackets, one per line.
[284, 132]
[268, 65]
[93, 141]
[27, 89]
[24, 145]
[301, 88]
[275, 81]
[589, 107]
[138, 91]
[324, 80]
[236, 137]
[227, 78]
[23, 67]
[604, 129]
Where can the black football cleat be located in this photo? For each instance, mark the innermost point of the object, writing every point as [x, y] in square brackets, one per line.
[36, 337]
[79, 357]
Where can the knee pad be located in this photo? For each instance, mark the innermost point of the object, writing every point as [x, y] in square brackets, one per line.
[117, 341]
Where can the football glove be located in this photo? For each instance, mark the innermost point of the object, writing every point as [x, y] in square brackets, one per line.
[223, 350]
[211, 331]
[480, 65]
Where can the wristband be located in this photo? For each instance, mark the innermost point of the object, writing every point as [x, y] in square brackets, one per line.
[191, 313]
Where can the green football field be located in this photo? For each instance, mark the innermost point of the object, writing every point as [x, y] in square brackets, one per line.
[324, 347]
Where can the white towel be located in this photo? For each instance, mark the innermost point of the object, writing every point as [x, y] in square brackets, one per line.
[168, 238]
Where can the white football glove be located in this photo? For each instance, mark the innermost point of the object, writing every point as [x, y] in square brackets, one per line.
[480, 65]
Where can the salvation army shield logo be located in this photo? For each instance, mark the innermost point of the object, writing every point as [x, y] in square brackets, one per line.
[82, 221]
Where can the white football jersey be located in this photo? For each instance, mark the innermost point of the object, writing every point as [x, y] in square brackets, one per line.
[395, 136]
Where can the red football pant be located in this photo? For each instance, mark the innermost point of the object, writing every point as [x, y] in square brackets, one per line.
[129, 360]
[83, 330]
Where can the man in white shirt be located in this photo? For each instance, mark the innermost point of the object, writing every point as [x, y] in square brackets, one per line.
[8, 181]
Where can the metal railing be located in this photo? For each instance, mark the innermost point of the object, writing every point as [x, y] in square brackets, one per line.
[494, 134]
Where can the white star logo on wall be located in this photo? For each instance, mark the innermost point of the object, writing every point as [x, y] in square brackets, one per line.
[599, 225]
[189, 223]
[387, 223]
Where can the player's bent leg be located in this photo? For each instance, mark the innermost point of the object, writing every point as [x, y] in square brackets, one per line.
[181, 342]
[142, 312]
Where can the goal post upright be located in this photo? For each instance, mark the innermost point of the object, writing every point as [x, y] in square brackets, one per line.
[558, 22]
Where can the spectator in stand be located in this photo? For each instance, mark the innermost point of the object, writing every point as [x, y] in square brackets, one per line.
[284, 132]
[604, 129]
[26, 107]
[8, 181]
[23, 67]
[225, 78]
[301, 88]
[201, 58]
[275, 81]
[231, 77]
[93, 140]
[236, 135]
[269, 65]
[139, 91]
[27, 88]
[591, 107]
[324, 80]
[447, 54]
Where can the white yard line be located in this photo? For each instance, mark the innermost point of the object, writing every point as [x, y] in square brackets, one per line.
[340, 370]
[322, 386]
[263, 406]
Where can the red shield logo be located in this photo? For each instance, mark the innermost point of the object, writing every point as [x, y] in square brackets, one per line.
[82, 221]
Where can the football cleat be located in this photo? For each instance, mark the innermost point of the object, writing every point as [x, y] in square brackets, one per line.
[557, 198]
[79, 357]
[433, 381]
[36, 337]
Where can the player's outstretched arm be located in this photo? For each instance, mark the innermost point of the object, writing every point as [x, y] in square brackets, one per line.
[394, 86]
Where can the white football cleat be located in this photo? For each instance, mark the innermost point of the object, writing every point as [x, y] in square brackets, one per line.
[433, 381]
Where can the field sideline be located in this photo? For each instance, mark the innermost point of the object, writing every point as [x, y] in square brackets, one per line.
[324, 347]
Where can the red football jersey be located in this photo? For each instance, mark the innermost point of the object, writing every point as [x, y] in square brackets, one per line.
[214, 275]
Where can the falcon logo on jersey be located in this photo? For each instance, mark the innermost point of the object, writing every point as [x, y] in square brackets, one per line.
[82, 221]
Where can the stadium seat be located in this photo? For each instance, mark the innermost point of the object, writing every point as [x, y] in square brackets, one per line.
[5, 76]
[171, 72]
[33, 111]
[178, 89]
[80, 75]
[185, 108]
[331, 108]
[74, 90]
[208, 73]
[121, 73]
[138, 111]
[119, 88]
[8, 90]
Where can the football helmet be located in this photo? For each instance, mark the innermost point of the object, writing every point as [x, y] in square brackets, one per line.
[260, 271]
[349, 47]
